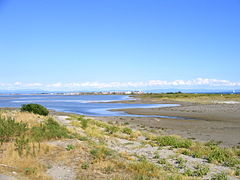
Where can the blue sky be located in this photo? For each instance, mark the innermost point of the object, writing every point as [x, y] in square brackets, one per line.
[92, 44]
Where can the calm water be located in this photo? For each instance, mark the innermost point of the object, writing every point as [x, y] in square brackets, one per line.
[90, 105]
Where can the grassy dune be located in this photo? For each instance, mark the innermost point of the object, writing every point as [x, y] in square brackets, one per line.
[39, 147]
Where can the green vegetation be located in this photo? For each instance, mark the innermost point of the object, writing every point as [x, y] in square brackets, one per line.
[23, 136]
[101, 152]
[84, 121]
[70, 147]
[112, 129]
[237, 171]
[173, 141]
[220, 176]
[85, 165]
[191, 97]
[214, 154]
[181, 163]
[199, 171]
[145, 169]
[10, 130]
[30, 171]
[49, 129]
[127, 130]
[162, 161]
[110, 149]
[223, 156]
[35, 108]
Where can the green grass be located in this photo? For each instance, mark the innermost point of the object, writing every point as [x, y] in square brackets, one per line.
[70, 147]
[49, 129]
[198, 171]
[214, 154]
[181, 162]
[127, 130]
[223, 156]
[220, 176]
[84, 121]
[10, 130]
[112, 129]
[101, 152]
[173, 141]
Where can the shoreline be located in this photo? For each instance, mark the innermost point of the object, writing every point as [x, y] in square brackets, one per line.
[215, 121]
[205, 122]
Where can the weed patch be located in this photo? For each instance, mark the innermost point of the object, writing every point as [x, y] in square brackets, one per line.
[173, 142]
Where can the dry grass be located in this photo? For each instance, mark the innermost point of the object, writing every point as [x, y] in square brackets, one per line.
[25, 166]
[91, 158]
[25, 117]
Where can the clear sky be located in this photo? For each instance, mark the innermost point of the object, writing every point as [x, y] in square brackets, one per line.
[119, 43]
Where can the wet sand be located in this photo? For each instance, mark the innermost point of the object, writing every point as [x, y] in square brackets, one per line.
[218, 122]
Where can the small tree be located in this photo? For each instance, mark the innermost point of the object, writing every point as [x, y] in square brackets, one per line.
[35, 108]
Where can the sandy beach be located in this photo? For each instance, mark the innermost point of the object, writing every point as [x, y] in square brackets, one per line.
[218, 122]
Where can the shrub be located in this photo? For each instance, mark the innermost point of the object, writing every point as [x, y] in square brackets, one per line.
[50, 129]
[162, 161]
[237, 171]
[10, 129]
[84, 123]
[220, 176]
[70, 147]
[224, 156]
[127, 131]
[85, 165]
[35, 108]
[30, 170]
[173, 141]
[112, 129]
[201, 170]
[101, 152]
[181, 162]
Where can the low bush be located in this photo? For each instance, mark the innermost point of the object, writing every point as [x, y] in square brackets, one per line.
[201, 170]
[49, 129]
[85, 165]
[84, 123]
[181, 162]
[220, 176]
[10, 129]
[127, 130]
[222, 156]
[112, 129]
[173, 141]
[35, 108]
[70, 147]
[101, 152]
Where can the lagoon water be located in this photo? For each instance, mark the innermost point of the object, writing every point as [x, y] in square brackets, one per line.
[90, 105]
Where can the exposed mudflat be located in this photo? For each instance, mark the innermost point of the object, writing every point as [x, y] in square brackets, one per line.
[218, 122]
